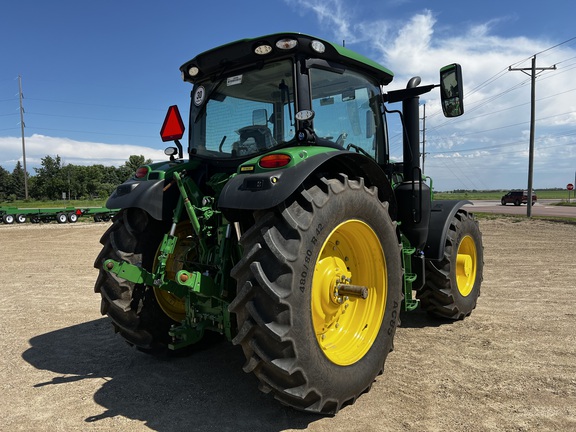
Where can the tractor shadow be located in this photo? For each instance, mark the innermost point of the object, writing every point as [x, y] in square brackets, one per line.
[206, 390]
[421, 319]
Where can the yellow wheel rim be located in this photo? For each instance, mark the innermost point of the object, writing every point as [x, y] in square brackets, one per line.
[347, 325]
[173, 306]
[466, 265]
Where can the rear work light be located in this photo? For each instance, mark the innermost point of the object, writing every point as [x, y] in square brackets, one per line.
[286, 44]
[275, 160]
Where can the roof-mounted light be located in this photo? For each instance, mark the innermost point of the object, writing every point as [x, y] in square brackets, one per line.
[286, 44]
[318, 46]
[193, 71]
[263, 49]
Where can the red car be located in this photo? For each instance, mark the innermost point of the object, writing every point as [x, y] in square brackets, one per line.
[517, 198]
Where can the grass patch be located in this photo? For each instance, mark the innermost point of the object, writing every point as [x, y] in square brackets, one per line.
[53, 204]
[517, 219]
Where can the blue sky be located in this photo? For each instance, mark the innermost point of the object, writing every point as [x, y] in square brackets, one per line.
[98, 76]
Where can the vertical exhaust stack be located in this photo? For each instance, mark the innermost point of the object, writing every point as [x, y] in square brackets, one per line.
[413, 195]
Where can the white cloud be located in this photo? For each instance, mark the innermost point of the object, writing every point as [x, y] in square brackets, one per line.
[70, 152]
[493, 135]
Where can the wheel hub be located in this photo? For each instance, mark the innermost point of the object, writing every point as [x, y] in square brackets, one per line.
[466, 264]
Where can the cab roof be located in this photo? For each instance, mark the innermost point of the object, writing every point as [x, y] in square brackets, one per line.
[238, 54]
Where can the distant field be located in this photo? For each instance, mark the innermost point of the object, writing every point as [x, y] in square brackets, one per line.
[496, 195]
[560, 195]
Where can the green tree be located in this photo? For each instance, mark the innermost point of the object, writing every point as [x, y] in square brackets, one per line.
[5, 180]
[16, 185]
[51, 181]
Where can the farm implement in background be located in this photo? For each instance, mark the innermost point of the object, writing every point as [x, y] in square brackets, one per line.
[10, 215]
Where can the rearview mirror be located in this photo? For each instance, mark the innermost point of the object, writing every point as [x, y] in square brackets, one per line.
[451, 90]
[259, 117]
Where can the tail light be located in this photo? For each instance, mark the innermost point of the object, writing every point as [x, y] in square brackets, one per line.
[277, 160]
[141, 172]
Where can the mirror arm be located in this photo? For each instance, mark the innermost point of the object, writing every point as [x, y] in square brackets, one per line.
[403, 94]
[177, 142]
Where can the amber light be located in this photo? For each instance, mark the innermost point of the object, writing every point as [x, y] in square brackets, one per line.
[141, 172]
[275, 160]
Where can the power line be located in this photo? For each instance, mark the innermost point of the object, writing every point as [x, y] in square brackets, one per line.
[532, 75]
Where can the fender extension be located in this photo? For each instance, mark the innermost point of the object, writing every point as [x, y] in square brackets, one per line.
[441, 216]
[148, 195]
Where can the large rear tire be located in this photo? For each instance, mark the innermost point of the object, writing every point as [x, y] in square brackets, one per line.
[134, 237]
[316, 348]
[453, 284]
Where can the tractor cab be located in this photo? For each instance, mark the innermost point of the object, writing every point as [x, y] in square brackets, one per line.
[256, 96]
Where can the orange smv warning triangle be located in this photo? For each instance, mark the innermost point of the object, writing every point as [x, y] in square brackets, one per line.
[173, 127]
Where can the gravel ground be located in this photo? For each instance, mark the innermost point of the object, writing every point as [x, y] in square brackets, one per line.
[510, 366]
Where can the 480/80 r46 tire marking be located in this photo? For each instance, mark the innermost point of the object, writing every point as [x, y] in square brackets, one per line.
[284, 306]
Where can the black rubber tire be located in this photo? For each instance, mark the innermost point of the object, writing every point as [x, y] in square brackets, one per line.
[61, 218]
[503, 202]
[517, 202]
[20, 218]
[72, 217]
[134, 237]
[8, 219]
[440, 295]
[273, 304]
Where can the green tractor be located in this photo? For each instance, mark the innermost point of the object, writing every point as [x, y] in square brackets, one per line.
[287, 229]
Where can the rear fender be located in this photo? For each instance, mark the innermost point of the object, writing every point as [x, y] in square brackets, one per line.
[261, 191]
[148, 195]
[441, 216]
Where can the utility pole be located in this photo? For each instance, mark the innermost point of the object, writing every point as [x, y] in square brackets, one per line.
[532, 75]
[21, 96]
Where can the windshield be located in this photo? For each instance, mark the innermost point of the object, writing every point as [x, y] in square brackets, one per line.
[347, 110]
[244, 114]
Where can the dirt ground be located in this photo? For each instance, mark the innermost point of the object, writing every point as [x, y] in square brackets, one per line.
[510, 366]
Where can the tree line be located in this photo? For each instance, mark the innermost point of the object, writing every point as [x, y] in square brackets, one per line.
[54, 181]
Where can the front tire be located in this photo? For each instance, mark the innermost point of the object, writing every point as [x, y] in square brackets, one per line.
[312, 347]
[453, 284]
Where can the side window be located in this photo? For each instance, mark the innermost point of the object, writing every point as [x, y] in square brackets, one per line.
[347, 109]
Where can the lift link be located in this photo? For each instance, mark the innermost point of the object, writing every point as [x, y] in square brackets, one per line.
[185, 199]
[186, 282]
